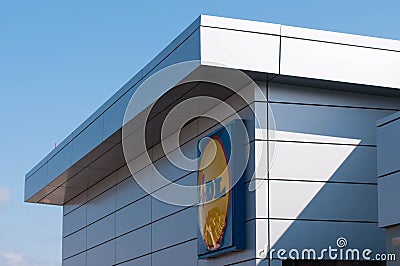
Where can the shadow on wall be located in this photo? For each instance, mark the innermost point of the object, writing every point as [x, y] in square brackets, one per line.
[319, 192]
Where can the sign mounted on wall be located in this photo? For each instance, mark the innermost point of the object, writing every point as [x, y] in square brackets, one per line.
[221, 193]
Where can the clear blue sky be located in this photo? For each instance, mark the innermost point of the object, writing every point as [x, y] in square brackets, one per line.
[60, 60]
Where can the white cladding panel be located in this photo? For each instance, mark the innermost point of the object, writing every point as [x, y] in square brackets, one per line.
[239, 49]
[339, 62]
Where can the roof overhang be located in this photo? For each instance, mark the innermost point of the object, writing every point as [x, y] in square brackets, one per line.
[264, 51]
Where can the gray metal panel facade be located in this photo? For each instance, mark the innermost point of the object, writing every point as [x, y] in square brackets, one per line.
[388, 171]
[322, 177]
[116, 216]
[389, 182]
[116, 222]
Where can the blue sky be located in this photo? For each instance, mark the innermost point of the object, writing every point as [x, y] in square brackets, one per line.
[60, 60]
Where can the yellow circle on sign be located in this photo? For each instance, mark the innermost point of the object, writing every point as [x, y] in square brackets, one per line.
[214, 184]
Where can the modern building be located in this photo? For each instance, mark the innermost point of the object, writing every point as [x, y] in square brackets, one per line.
[241, 143]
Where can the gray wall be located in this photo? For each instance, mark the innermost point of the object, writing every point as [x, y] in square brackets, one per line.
[388, 170]
[117, 222]
[322, 185]
[322, 181]
[388, 180]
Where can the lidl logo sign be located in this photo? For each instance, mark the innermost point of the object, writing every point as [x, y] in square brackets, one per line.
[214, 193]
[218, 197]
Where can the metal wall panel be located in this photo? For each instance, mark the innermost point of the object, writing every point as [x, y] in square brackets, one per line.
[348, 123]
[35, 182]
[60, 162]
[103, 255]
[169, 171]
[78, 260]
[388, 147]
[134, 244]
[322, 162]
[142, 261]
[240, 25]
[101, 206]
[340, 38]
[74, 244]
[258, 52]
[102, 186]
[323, 201]
[305, 95]
[74, 220]
[88, 139]
[75, 202]
[388, 198]
[256, 199]
[183, 254]
[114, 116]
[301, 235]
[177, 233]
[128, 191]
[133, 216]
[101, 231]
[162, 209]
[336, 62]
